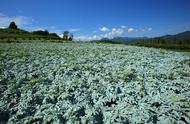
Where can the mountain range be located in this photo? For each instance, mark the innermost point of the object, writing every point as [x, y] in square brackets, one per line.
[184, 35]
[125, 39]
[179, 36]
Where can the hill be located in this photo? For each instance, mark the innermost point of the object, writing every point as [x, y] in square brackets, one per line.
[12, 35]
[180, 41]
[180, 36]
[125, 39]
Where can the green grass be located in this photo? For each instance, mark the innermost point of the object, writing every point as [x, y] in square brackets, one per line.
[171, 46]
[12, 35]
[181, 46]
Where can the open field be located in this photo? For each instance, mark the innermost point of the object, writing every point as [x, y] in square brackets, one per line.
[93, 84]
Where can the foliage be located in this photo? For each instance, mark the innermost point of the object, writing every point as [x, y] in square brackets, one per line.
[12, 26]
[182, 44]
[67, 36]
[40, 32]
[92, 83]
[180, 41]
[13, 34]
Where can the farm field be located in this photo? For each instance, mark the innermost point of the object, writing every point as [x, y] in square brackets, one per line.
[91, 83]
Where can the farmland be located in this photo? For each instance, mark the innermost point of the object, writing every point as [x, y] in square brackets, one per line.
[93, 83]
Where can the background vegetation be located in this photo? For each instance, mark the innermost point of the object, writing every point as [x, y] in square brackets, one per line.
[14, 34]
[179, 41]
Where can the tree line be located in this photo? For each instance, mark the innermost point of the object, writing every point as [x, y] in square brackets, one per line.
[67, 36]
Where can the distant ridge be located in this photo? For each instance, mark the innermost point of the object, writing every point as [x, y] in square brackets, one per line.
[180, 41]
[12, 35]
[15, 34]
[125, 39]
[179, 36]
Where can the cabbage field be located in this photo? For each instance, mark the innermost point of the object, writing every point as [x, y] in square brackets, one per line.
[89, 83]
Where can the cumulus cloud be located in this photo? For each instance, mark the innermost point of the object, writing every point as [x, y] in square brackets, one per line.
[87, 38]
[19, 20]
[123, 26]
[146, 29]
[115, 32]
[131, 30]
[104, 29]
[149, 29]
[110, 33]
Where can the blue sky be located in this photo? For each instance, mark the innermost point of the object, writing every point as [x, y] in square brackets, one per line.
[93, 19]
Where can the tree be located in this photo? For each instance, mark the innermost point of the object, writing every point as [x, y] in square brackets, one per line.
[46, 32]
[40, 32]
[54, 35]
[12, 26]
[66, 35]
[71, 37]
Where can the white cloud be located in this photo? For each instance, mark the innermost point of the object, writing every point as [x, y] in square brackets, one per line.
[19, 20]
[123, 26]
[115, 32]
[111, 33]
[104, 29]
[74, 30]
[87, 38]
[149, 29]
[114, 29]
[146, 29]
[131, 30]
